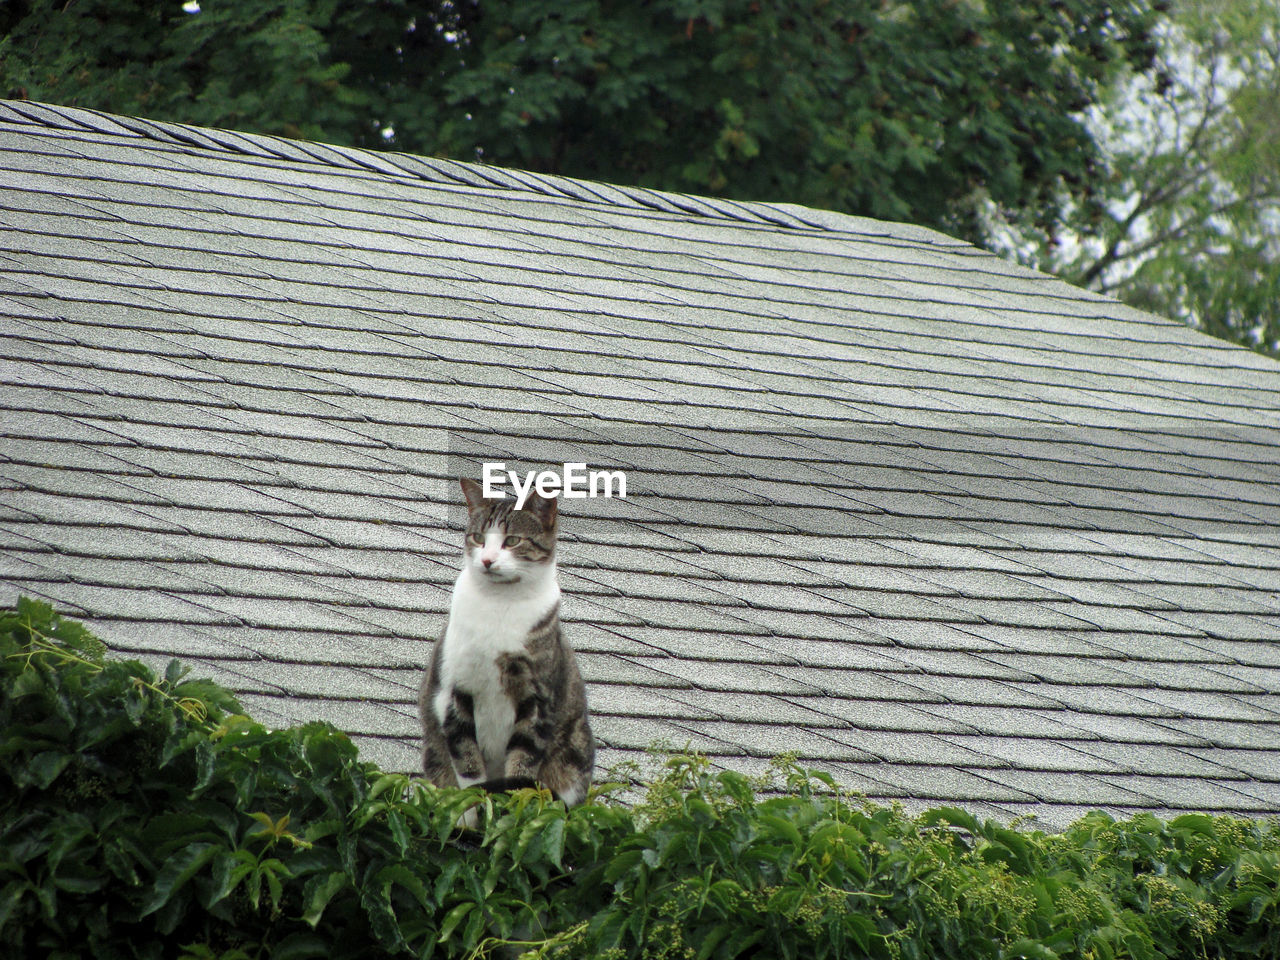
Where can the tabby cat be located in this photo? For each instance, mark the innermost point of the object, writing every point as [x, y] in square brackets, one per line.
[503, 704]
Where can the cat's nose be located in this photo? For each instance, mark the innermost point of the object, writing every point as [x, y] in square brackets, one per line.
[487, 561]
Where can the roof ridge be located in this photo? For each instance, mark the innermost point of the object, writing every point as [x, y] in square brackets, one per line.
[461, 173]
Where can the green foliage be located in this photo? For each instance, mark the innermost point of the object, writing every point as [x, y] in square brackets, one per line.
[1186, 221]
[907, 111]
[275, 66]
[891, 110]
[146, 817]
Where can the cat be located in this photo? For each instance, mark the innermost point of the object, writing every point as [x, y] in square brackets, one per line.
[503, 704]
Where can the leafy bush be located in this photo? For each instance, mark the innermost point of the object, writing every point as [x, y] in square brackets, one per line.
[147, 817]
[140, 816]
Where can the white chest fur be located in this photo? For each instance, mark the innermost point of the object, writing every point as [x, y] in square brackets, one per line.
[487, 620]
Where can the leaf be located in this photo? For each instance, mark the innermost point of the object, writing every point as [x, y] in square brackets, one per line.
[784, 828]
[475, 927]
[42, 769]
[952, 816]
[1194, 823]
[382, 918]
[81, 884]
[230, 867]
[1029, 950]
[171, 831]
[861, 928]
[318, 830]
[623, 864]
[453, 918]
[29, 682]
[300, 946]
[553, 842]
[180, 741]
[206, 767]
[10, 897]
[444, 884]
[713, 938]
[530, 836]
[179, 869]
[401, 875]
[399, 830]
[318, 892]
[726, 894]
[386, 782]
[120, 861]
[174, 672]
[276, 873]
[786, 901]
[743, 937]
[1012, 848]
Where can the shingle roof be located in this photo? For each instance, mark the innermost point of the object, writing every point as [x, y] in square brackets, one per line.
[947, 528]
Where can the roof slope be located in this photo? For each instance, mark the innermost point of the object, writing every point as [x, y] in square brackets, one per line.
[947, 528]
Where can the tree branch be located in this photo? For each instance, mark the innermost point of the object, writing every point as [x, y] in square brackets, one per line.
[1179, 231]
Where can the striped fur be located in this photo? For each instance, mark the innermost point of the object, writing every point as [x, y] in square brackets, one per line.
[503, 703]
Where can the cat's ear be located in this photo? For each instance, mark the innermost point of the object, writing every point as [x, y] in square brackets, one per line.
[474, 492]
[544, 508]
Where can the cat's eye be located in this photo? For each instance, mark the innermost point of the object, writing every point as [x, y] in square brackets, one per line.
[512, 542]
[475, 539]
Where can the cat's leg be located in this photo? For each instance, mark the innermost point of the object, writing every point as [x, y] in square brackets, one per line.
[436, 764]
[567, 771]
[532, 729]
[456, 711]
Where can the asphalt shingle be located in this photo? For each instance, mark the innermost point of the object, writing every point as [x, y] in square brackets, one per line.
[948, 529]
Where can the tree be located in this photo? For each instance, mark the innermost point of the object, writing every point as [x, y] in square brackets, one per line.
[1187, 222]
[905, 111]
[314, 69]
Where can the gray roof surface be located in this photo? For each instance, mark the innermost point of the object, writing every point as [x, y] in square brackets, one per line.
[949, 529]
